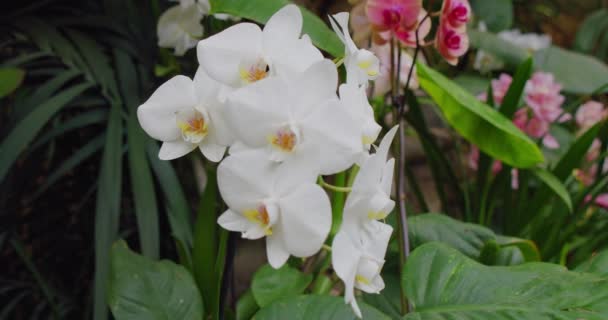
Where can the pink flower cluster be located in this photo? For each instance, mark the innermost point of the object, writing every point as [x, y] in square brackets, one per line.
[452, 40]
[543, 107]
[403, 18]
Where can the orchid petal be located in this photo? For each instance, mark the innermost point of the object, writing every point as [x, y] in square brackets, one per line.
[311, 88]
[275, 249]
[174, 149]
[213, 152]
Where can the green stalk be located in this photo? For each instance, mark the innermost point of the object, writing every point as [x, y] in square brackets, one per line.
[337, 203]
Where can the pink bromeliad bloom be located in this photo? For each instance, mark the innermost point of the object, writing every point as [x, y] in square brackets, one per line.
[542, 96]
[393, 14]
[456, 13]
[589, 114]
[451, 43]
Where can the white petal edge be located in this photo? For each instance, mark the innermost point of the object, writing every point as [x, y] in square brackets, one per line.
[174, 149]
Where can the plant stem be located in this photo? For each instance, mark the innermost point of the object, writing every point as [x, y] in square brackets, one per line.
[331, 187]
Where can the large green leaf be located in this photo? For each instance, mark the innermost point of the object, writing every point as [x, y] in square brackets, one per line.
[591, 30]
[141, 288]
[25, 131]
[481, 125]
[577, 72]
[309, 307]
[506, 51]
[261, 11]
[107, 209]
[271, 284]
[468, 238]
[497, 14]
[443, 284]
[597, 264]
[10, 79]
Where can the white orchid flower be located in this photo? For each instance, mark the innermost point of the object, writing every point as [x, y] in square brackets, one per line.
[355, 102]
[186, 114]
[243, 53]
[180, 27]
[370, 198]
[278, 201]
[290, 118]
[361, 65]
[358, 260]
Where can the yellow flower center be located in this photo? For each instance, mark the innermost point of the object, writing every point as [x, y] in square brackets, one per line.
[376, 215]
[284, 139]
[260, 216]
[255, 72]
[193, 126]
[363, 280]
[367, 66]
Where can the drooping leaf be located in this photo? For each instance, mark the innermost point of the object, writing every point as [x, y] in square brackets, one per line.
[511, 54]
[577, 72]
[25, 131]
[107, 209]
[443, 284]
[497, 14]
[269, 284]
[554, 185]
[260, 11]
[10, 79]
[315, 307]
[481, 125]
[141, 288]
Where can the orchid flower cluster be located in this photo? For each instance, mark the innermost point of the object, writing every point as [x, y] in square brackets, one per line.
[543, 107]
[268, 96]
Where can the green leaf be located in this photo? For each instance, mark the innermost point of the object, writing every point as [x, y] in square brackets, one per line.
[206, 241]
[75, 122]
[467, 238]
[107, 209]
[591, 30]
[177, 205]
[388, 300]
[443, 284]
[554, 184]
[475, 84]
[25, 131]
[598, 264]
[578, 73]
[309, 307]
[497, 14]
[141, 288]
[511, 54]
[481, 125]
[528, 248]
[510, 103]
[269, 284]
[576, 153]
[246, 307]
[10, 79]
[260, 11]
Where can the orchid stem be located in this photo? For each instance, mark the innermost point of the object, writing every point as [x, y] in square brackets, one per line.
[331, 187]
[338, 61]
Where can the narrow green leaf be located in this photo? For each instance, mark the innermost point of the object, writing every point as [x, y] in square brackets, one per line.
[554, 184]
[75, 122]
[177, 206]
[206, 241]
[475, 84]
[576, 153]
[107, 210]
[10, 80]
[443, 284]
[308, 307]
[269, 284]
[510, 103]
[26, 130]
[260, 11]
[143, 289]
[481, 125]
[577, 72]
[72, 162]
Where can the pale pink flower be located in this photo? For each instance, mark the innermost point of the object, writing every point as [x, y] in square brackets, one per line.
[393, 14]
[542, 96]
[589, 114]
[535, 127]
[474, 161]
[500, 87]
[456, 13]
[451, 43]
[602, 200]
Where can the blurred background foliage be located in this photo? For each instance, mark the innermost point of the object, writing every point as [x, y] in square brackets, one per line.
[76, 170]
